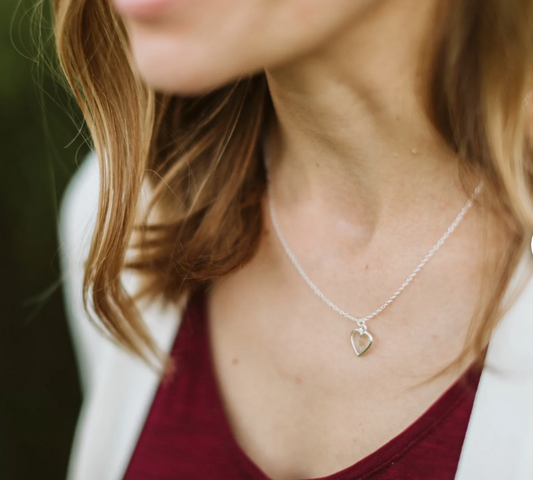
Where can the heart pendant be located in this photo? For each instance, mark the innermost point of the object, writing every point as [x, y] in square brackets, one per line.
[362, 343]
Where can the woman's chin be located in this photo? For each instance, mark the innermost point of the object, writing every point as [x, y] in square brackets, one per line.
[187, 72]
[180, 78]
[177, 83]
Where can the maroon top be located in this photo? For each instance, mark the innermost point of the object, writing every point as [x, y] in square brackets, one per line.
[187, 436]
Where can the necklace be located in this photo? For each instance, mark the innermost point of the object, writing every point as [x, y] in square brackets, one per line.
[360, 338]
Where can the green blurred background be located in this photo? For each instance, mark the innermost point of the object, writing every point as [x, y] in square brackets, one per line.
[40, 149]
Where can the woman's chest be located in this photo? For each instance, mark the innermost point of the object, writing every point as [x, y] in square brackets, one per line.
[273, 419]
[303, 409]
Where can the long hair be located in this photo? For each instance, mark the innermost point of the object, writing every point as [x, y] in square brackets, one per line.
[202, 159]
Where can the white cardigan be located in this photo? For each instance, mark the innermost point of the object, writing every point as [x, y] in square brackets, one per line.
[118, 389]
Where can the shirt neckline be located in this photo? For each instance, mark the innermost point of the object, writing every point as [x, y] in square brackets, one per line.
[368, 466]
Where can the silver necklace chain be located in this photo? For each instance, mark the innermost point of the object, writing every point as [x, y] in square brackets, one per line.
[361, 322]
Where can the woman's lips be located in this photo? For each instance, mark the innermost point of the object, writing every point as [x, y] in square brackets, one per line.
[144, 8]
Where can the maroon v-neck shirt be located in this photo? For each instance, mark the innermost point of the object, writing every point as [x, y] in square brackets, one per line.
[187, 435]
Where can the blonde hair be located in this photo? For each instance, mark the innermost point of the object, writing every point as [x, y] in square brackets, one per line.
[201, 156]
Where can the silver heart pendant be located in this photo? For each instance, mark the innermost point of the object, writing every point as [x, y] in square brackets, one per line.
[362, 343]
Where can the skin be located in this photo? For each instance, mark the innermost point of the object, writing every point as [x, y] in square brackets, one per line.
[363, 188]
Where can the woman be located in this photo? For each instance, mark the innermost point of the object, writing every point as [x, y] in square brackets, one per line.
[269, 212]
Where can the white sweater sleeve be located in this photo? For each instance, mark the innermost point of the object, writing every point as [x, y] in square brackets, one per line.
[118, 387]
[76, 225]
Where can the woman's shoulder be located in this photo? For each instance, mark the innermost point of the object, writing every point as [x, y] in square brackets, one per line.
[77, 219]
[77, 223]
[80, 200]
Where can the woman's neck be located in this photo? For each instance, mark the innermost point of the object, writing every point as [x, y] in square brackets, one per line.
[351, 132]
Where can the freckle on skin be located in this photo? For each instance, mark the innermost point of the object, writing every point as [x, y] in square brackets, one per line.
[366, 267]
[235, 361]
